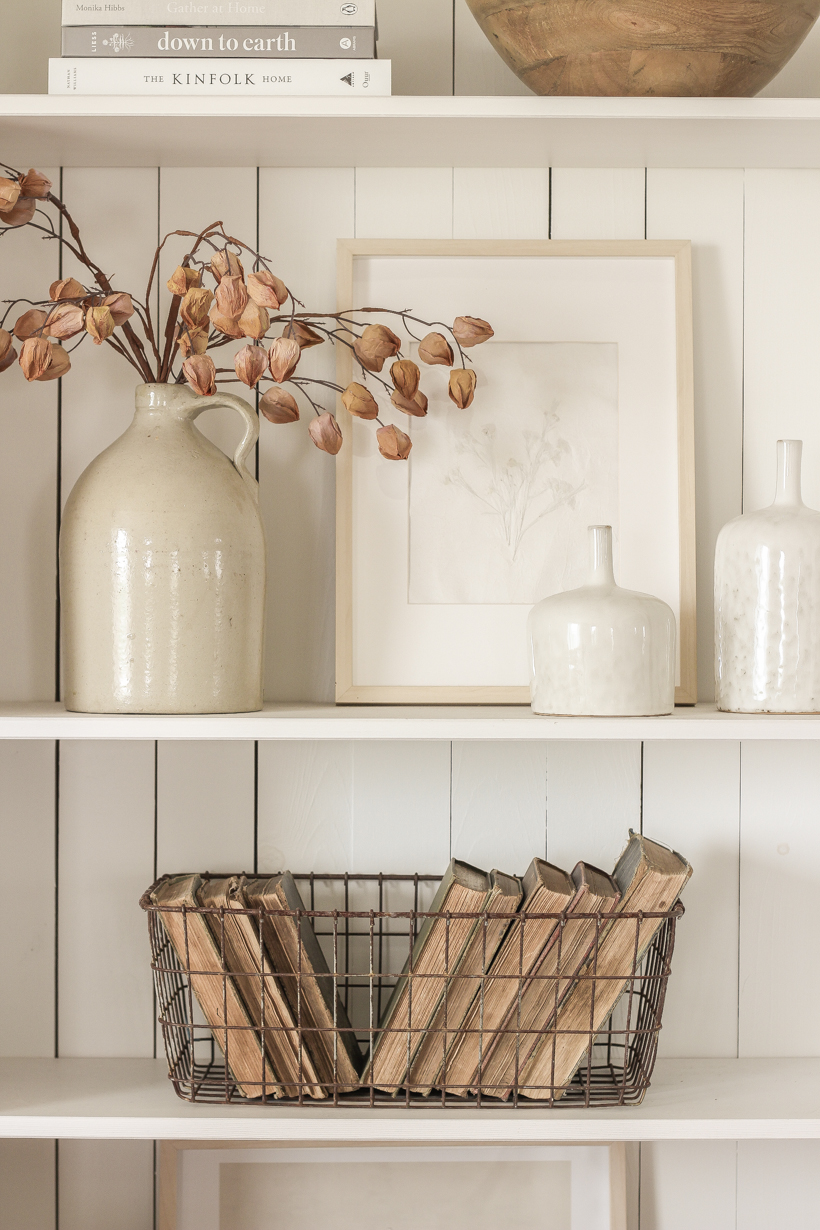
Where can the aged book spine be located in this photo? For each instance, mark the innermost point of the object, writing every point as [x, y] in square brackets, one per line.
[237, 78]
[219, 12]
[257, 42]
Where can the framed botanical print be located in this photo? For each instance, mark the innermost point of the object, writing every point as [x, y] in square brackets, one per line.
[583, 415]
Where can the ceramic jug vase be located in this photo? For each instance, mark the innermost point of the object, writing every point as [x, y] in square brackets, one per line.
[162, 567]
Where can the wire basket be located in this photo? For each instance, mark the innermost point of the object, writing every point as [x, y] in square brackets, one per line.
[366, 926]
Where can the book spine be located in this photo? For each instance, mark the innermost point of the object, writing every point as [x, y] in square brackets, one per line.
[268, 42]
[219, 12]
[243, 78]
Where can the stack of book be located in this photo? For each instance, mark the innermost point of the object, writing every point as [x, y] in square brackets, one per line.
[224, 47]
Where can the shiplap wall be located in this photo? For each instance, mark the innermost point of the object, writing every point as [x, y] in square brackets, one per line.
[745, 816]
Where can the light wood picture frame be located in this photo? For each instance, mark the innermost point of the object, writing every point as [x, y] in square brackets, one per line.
[655, 398]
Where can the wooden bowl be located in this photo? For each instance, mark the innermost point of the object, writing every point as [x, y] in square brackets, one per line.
[629, 47]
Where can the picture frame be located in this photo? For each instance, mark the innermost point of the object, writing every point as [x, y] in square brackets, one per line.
[191, 1193]
[413, 620]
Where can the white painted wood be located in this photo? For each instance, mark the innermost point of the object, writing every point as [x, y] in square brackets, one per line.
[499, 804]
[418, 39]
[131, 1099]
[27, 845]
[593, 799]
[305, 807]
[689, 1183]
[782, 319]
[106, 1183]
[707, 207]
[691, 802]
[404, 202]
[501, 203]
[632, 1152]
[799, 77]
[598, 204]
[778, 1184]
[27, 1185]
[401, 807]
[205, 807]
[301, 215]
[32, 35]
[780, 856]
[106, 861]
[478, 69]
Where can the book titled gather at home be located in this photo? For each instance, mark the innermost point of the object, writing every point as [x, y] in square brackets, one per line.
[219, 12]
[232, 77]
[268, 42]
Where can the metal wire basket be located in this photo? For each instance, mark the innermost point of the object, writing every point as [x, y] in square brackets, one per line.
[366, 926]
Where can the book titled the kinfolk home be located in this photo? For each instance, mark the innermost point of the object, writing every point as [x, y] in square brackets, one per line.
[268, 42]
[219, 12]
[297, 78]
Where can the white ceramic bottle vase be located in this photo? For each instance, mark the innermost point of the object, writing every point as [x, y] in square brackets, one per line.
[767, 602]
[602, 650]
[162, 568]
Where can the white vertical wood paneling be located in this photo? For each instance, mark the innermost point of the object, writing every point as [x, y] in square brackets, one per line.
[707, 207]
[501, 203]
[404, 202]
[691, 802]
[26, 851]
[782, 315]
[687, 1184]
[499, 804]
[205, 806]
[401, 807]
[27, 1185]
[593, 203]
[305, 806]
[418, 39]
[779, 883]
[106, 1184]
[478, 68]
[778, 1184]
[593, 799]
[106, 861]
[28, 484]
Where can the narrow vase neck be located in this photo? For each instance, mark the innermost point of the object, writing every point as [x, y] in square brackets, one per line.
[789, 459]
[600, 556]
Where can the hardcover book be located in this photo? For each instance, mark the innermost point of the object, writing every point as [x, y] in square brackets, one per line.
[234, 77]
[219, 12]
[259, 42]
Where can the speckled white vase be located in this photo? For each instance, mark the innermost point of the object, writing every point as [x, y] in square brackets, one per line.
[767, 602]
[601, 650]
[162, 568]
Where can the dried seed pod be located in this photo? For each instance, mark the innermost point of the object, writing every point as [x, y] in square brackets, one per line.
[183, 279]
[302, 334]
[266, 289]
[224, 324]
[65, 320]
[191, 341]
[35, 357]
[6, 343]
[434, 348]
[195, 305]
[29, 323]
[417, 406]
[370, 362]
[471, 331]
[33, 184]
[66, 288]
[462, 387]
[326, 433]
[99, 322]
[254, 321]
[200, 373]
[405, 376]
[120, 306]
[8, 358]
[359, 401]
[380, 341]
[231, 296]
[250, 364]
[226, 263]
[393, 443]
[283, 357]
[278, 406]
[9, 195]
[59, 365]
[22, 213]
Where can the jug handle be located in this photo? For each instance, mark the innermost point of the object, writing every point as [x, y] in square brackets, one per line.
[248, 440]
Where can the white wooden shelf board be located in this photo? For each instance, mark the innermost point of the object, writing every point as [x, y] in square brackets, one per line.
[105, 131]
[44, 720]
[690, 1099]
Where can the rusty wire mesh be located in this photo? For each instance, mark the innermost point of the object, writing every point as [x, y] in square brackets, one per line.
[366, 926]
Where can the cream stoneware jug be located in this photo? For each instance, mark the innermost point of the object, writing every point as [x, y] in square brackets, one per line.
[162, 567]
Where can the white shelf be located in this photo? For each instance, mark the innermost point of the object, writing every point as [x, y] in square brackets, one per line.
[303, 721]
[690, 1099]
[410, 131]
